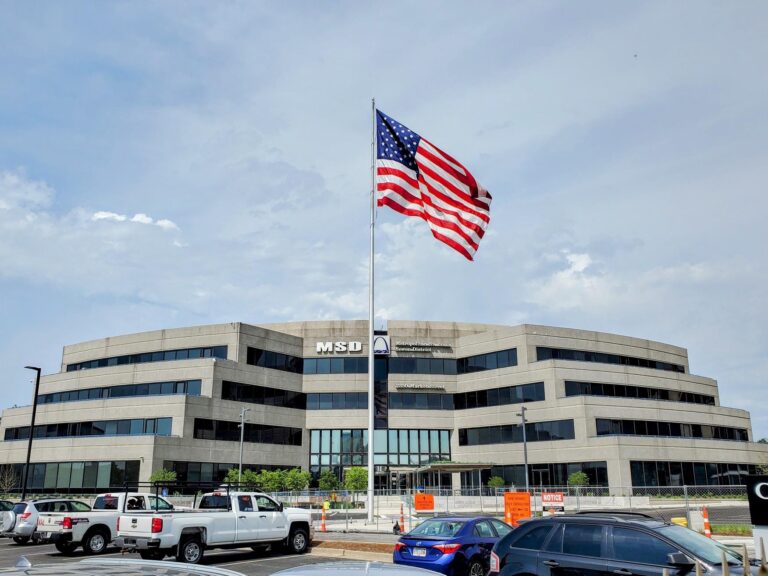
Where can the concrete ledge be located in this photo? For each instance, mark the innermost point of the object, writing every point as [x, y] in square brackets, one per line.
[351, 554]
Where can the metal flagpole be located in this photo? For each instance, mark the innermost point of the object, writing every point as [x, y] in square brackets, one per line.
[370, 316]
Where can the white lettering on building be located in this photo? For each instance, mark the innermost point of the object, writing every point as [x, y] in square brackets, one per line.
[338, 347]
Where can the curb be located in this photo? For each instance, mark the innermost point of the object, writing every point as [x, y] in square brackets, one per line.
[351, 554]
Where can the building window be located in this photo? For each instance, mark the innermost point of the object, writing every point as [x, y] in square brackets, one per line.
[274, 360]
[132, 427]
[464, 400]
[79, 477]
[617, 427]
[573, 388]
[188, 387]
[183, 354]
[263, 395]
[665, 473]
[513, 433]
[543, 353]
[339, 448]
[205, 429]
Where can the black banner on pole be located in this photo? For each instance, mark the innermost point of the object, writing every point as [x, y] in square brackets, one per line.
[757, 493]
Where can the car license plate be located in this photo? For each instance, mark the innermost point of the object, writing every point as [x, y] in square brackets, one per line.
[422, 552]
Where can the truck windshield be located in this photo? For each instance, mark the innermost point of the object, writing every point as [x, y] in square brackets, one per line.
[211, 501]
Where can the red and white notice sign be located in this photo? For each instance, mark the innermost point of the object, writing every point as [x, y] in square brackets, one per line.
[554, 500]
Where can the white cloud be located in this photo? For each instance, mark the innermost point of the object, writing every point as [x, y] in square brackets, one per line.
[108, 216]
[142, 219]
[19, 192]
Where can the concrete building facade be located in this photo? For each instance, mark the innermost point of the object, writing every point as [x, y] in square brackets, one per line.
[626, 411]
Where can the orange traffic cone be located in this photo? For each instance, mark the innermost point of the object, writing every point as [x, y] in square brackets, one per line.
[402, 518]
[707, 527]
[322, 521]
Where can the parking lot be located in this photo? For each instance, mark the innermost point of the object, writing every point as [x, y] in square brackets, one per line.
[245, 561]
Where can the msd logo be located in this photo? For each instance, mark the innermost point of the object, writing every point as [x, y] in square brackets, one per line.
[338, 347]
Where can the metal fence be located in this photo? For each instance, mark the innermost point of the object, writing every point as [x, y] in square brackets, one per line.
[726, 505]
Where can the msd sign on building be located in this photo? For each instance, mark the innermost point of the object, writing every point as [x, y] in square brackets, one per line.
[626, 411]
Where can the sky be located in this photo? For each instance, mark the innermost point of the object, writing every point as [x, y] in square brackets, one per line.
[167, 164]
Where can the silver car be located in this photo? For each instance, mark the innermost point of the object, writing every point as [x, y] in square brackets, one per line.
[20, 523]
[354, 568]
[115, 567]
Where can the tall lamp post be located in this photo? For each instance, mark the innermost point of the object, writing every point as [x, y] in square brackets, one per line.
[242, 434]
[31, 430]
[525, 445]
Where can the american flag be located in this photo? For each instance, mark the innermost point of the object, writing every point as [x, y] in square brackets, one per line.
[416, 178]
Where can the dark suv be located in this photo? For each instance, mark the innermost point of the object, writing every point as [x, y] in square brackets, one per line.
[603, 544]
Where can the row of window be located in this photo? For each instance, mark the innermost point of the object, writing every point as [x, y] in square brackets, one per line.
[189, 387]
[544, 353]
[666, 473]
[553, 474]
[263, 395]
[274, 360]
[206, 429]
[627, 391]
[132, 427]
[616, 427]
[430, 401]
[209, 471]
[513, 433]
[75, 477]
[394, 447]
[160, 356]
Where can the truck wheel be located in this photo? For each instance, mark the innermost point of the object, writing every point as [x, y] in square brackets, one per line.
[298, 541]
[190, 551]
[151, 554]
[66, 548]
[95, 541]
[21, 540]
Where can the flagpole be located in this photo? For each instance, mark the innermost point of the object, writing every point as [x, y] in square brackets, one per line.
[370, 316]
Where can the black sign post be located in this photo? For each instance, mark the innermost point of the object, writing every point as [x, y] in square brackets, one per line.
[757, 494]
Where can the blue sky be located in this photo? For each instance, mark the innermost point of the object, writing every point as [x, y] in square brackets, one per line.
[177, 163]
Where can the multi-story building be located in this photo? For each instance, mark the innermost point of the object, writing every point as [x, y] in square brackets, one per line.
[624, 410]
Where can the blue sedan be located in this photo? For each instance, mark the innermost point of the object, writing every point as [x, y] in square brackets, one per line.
[453, 546]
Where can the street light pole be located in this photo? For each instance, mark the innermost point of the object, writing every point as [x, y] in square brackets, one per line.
[242, 434]
[525, 445]
[31, 430]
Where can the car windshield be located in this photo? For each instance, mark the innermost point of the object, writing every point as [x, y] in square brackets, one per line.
[5, 506]
[440, 528]
[700, 546]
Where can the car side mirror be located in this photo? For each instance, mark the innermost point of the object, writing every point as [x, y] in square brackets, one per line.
[679, 559]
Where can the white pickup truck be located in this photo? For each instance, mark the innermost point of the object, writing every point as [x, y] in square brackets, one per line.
[222, 520]
[94, 530]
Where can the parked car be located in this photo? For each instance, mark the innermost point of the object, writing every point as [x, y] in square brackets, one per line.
[94, 529]
[607, 543]
[451, 545]
[113, 567]
[6, 505]
[223, 519]
[353, 568]
[20, 523]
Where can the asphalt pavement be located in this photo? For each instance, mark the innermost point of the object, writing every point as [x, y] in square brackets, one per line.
[241, 560]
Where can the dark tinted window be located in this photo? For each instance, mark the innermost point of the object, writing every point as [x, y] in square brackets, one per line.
[543, 353]
[583, 539]
[533, 538]
[636, 546]
[214, 501]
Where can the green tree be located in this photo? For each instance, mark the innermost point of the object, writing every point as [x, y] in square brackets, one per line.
[496, 482]
[327, 481]
[578, 479]
[163, 475]
[272, 480]
[249, 481]
[297, 479]
[356, 478]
